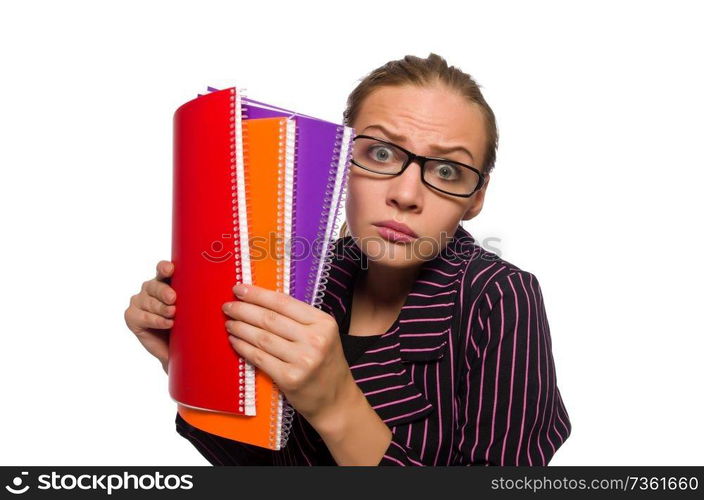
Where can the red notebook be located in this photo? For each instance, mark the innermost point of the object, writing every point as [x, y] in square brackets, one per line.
[208, 256]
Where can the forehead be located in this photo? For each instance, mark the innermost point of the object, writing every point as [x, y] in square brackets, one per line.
[425, 115]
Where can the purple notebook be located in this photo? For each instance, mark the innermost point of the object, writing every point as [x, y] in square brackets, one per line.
[322, 157]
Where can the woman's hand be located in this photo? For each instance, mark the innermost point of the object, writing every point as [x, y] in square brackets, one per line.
[151, 311]
[297, 345]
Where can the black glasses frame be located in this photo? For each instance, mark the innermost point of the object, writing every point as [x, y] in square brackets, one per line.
[412, 157]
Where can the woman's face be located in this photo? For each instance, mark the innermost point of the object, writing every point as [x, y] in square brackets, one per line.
[418, 119]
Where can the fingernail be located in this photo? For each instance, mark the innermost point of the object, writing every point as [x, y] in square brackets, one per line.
[240, 290]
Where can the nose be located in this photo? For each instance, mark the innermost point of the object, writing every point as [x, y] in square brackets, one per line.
[406, 190]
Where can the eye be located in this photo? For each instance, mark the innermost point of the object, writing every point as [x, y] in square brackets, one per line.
[446, 172]
[381, 153]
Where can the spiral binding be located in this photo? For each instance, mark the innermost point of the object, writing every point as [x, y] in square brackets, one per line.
[294, 205]
[337, 182]
[287, 412]
[281, 223]
[282, 410]
[280, 195]
[289, 202]
[281, 420]
[238, 152]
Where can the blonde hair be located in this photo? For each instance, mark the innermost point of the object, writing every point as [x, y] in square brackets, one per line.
[344, 230]
[412, 70]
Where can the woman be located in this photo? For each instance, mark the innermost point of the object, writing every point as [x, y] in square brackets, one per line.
[427, 349]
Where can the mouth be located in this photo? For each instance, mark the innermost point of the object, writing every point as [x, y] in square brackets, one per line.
[394, 231]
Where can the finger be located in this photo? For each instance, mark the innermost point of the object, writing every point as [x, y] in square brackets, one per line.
[160, 291]
[260, 359]
[282, 303]
[164, 269]
[278, 347]
[146, 319]
[149, 303]
[263, 318]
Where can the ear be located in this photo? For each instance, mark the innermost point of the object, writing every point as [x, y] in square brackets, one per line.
[476, 201]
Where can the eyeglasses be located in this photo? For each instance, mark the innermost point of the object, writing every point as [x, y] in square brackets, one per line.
[383, 157]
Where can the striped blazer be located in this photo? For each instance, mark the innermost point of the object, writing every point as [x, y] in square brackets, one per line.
[464, 376]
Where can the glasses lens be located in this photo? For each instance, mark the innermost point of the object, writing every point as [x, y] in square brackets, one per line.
[378, 156]
[450, 177]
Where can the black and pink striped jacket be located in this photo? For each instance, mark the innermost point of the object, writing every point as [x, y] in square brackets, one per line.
[464, 376]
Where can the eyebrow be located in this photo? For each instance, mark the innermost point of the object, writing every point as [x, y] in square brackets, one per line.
[435, 147]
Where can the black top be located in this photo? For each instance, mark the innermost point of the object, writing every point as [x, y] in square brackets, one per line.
[354, 345]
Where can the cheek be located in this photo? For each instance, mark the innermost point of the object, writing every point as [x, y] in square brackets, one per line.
[361, 198]
[443, 215]
[441, 218]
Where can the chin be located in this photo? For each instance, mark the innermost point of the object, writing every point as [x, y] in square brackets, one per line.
[395, 255]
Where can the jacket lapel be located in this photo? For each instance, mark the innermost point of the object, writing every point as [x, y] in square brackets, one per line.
[420, 333]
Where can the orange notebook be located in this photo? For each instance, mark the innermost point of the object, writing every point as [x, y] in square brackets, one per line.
[269, 152]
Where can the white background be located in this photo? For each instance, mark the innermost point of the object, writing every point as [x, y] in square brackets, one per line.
[596, 191]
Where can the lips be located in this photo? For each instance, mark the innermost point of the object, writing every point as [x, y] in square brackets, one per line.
[397, 226]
